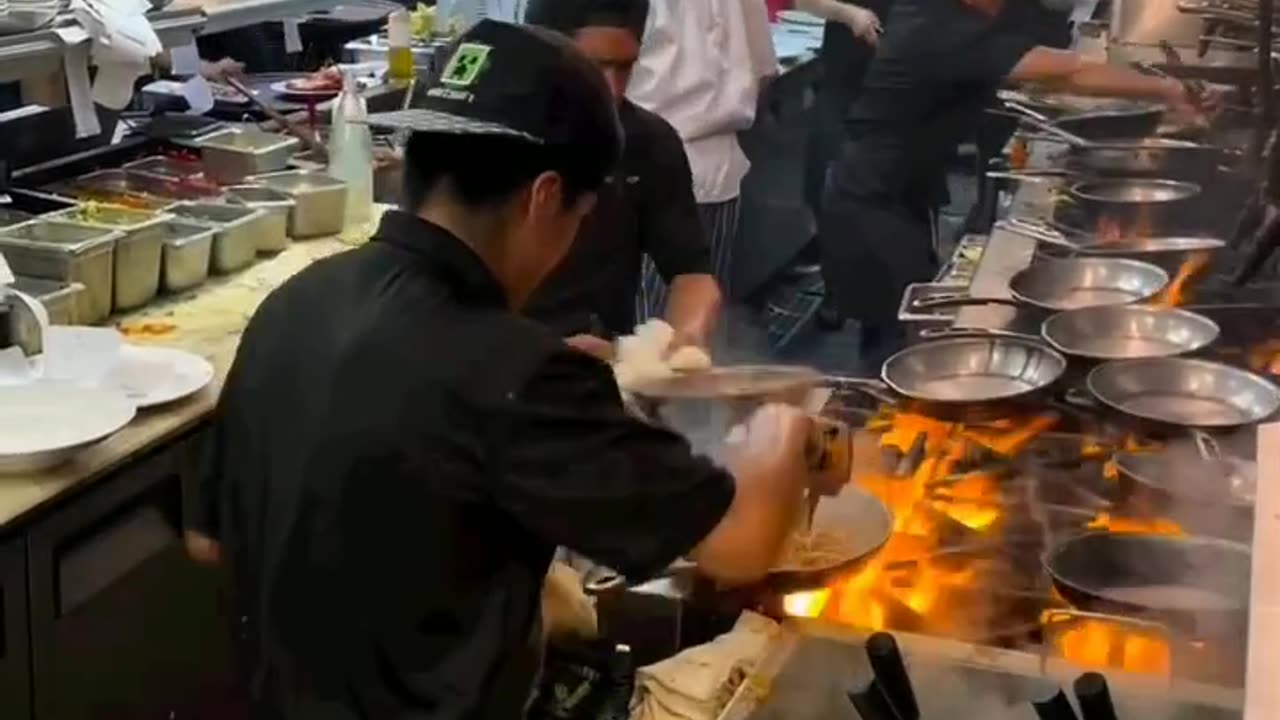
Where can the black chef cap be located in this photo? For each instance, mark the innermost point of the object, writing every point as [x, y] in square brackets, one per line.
[569, 16]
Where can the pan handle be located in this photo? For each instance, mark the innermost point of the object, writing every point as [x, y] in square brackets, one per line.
[1044, 177]
[1080, 399]
[875, 389]
[968, 332]
[948, 300]
[1206, 445]
[1045, 123]
[1036, 231]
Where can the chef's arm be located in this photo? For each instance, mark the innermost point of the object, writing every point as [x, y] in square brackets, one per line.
[862, 22]
[693, 304]
[1065, 71]
[770, 478]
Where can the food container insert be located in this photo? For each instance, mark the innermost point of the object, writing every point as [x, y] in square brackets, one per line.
[68, 252]
[230, 157]
[138, 250]
[59, 298]
[321, 207]
[279, 209]
[188, 248]
[236, 229]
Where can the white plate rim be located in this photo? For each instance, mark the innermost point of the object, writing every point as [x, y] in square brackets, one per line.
[122, 414]
[161, 352]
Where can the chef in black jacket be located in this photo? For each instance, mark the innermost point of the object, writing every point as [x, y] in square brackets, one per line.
[397, 452]
[937, 66]
[646, 207]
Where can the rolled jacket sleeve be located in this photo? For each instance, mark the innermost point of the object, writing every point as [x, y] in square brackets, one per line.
[671, 231]
[582, 473]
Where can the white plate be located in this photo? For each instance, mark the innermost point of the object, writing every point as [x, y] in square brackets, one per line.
[151, 376]
[282, 88]
[45, 423]
[799, 17]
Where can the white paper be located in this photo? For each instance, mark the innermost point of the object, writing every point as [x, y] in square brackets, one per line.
[75, 61]
[198, 95]
[113, 85]
[292, 36]
[122, 129]
[185, 60]
[6, 275]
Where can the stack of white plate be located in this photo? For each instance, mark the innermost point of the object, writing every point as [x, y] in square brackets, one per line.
[45, 424]
[27, 15]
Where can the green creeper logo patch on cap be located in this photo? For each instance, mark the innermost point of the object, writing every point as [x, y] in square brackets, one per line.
[466, 65]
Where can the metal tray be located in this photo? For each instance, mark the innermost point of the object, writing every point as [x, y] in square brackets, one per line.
[321, 207]
[279, 209]
[188, 248]
[115, 187]
[230, 157]
[138, 250]
[236, 229]
[68, 252]
[167, 168]
[13, 217]
[59, 298]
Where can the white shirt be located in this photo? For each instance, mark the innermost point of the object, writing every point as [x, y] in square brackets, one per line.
[700, 70]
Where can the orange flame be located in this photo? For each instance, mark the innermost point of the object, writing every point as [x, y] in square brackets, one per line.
[1105, 645]
[1135, 526]
[1175, 294]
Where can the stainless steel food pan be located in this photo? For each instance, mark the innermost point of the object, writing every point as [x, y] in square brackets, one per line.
[236, 230]
[69, 252]
[138, 250]
[188, 248]
[321, 207]
[276, 204]
[230, 157]
[59, 298]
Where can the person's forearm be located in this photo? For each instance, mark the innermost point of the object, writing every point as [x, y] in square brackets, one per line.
[825, 9]
[746, 544]
[693, 305]
[1064, 71]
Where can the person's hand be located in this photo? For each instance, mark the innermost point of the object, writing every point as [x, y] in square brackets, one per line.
[221, 70]
[1192, 107]
[202, 549]
[775, 437]
[864, 23]
[592, 345]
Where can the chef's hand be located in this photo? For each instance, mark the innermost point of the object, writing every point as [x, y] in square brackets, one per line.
[592, 345]
[864, 23]
[221, 70]
[203, 549]
[1193, 107]
[774, 438]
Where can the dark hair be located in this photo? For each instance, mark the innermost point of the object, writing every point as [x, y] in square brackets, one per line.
[583, 143]
[569, 16]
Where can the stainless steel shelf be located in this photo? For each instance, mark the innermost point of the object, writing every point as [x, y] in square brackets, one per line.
[222, 15]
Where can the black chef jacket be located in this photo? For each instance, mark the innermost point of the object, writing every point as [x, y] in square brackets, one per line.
[937, 66]
[647, 207]
[397, 456]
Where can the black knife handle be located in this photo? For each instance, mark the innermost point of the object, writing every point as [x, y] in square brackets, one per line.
[872, 704]
[1095, 698]
[1055, 707]
[891, 674]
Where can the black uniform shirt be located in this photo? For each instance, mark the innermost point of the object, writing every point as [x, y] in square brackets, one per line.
[648, 207]
[936, 68]
[396, 457]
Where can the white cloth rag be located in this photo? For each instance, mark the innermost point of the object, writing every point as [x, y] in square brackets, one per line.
[699, 682]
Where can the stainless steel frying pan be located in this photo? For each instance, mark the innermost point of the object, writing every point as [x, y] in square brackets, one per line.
[1183, 392]
[1068, 284]
[1112, 332]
